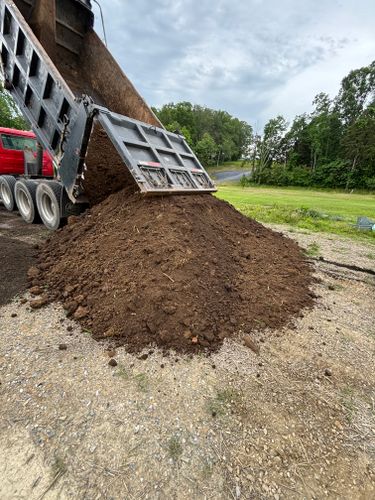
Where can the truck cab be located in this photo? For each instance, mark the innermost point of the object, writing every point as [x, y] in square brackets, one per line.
[14, 145]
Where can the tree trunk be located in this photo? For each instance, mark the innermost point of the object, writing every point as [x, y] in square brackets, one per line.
[351, 171]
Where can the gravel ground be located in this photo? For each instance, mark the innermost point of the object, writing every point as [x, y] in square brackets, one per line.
[295, 421]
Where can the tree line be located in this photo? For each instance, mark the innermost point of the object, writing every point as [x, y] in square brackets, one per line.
[215, 136]
[334, 146]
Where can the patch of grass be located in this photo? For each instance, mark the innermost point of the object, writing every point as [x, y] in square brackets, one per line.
[121, 372]
[207, 470]
[336, 286]
[346, 339]
[347, 401]
[313, 250]
[58, 466]
[142, 381]
[220, 404]
[174, 447]
[315, 210]
[370, 256]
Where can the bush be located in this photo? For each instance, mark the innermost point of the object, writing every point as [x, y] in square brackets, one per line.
[331, 175]
[370, 183]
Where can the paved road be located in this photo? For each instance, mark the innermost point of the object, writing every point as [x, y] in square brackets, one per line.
[230, 175]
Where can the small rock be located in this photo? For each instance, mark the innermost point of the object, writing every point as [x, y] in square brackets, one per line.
[35, 290]
[151, 328]
[143, 357]
[169, 308]
[33, 272]
[249, 342]
[112, 362]
[80, 298]
[63, 347]
[73, 219]
[69, 328]
[70, 307]
[38, 303]
[23, 301]
[81, 313]
[110, 332]
[328, 372]
[188, 334]
[111, 353]
[13, 315]
[194, 340]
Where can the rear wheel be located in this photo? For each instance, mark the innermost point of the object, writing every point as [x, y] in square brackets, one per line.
[48, 200]
[7, 183]
[25, 196]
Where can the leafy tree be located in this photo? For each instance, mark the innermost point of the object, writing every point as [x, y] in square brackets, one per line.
[334, 146]
[359, 148]
[10, 116]
[176, 127]
[356, 93]
[270, 147]
[232, 137]
[206, 149]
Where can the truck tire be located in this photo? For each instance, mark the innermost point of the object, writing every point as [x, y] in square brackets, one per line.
[25, 196]
[48, 200]
[7, 183]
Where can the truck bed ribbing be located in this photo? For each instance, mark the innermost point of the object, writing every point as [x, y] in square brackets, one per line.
[159, 161]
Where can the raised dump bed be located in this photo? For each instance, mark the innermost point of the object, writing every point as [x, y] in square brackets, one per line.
[69, 87]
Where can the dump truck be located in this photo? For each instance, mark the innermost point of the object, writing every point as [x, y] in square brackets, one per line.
[85, 113]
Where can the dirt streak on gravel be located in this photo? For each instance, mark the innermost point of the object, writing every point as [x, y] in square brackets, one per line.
[17, 253]
[296, 421]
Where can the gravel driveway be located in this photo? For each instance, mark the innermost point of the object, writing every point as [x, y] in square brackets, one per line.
[295, 421]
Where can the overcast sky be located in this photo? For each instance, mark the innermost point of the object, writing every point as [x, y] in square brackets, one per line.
[252, 58]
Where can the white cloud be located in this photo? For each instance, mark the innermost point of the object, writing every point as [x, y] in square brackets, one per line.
[255, 59]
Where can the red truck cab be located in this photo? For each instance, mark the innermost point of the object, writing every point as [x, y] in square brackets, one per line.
[13, 143]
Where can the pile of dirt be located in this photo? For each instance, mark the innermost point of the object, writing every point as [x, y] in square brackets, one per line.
[105, 172]
[180, 272]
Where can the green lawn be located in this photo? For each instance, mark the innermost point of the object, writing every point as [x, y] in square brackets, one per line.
[327, 211]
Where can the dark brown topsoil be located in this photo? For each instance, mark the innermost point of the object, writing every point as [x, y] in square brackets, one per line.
[106, 172]
[180, 272]
[17, 253]
[15, 257]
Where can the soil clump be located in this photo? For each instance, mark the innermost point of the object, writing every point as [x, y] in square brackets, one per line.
[178, 272]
